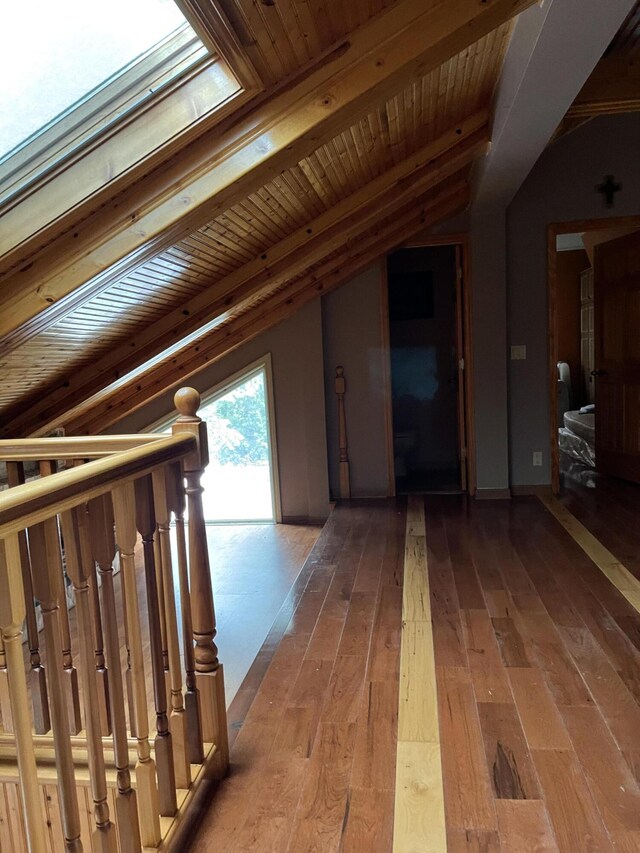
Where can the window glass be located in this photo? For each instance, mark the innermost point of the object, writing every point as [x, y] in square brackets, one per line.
[57, 54]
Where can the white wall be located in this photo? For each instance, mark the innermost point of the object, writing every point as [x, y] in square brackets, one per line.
[296, 350]
[561, 187]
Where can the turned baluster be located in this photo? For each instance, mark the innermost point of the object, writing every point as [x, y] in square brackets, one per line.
[124, 509]
[46, 564]
[128, 678]
[176, 499]
[12, 614]
[177, 719]
[98, 545]
[103, 838]
[5, 697]
[343, 462]
[36, 678]
[101, 672]
[209, 671]
[146, 524]
[157, 557]
[47, 468]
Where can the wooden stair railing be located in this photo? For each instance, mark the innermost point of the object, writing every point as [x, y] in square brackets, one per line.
[76, 744]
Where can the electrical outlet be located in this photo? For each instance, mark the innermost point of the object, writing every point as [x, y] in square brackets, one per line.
[518, 353]
[537, 458]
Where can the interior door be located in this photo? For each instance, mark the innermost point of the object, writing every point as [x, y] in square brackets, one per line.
[617, 356]
[462, 431]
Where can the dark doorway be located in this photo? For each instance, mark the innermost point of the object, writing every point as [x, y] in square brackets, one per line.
[424, 332]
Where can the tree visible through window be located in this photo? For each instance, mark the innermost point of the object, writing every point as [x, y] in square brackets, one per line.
[237, 482]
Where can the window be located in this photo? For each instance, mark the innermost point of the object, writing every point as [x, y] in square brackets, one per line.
[76, 51]
[241, 481]
[94, 90]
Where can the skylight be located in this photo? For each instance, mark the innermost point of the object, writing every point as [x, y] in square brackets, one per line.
[59, 53]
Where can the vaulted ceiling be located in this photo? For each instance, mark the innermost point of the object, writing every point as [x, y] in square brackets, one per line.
[358, 126]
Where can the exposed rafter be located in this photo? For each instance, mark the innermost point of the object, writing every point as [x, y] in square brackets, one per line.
[398, 45]
[408, 180]
[109, 406]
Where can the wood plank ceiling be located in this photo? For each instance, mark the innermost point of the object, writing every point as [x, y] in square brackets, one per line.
[44, 357]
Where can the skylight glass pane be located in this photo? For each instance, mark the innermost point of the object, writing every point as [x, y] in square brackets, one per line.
[55, 53]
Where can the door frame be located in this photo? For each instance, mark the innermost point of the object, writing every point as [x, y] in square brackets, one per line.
[463, 314]
[553, 229]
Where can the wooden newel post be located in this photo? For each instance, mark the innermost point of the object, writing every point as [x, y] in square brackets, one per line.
[209, 671]
[341, 387]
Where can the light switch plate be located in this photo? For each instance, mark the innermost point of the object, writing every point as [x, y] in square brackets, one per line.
[518, 353]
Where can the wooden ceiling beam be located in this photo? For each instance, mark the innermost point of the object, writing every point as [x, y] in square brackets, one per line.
[613, 87]
[204, 306]
[222, 167]
[316, 240]
[111, 405]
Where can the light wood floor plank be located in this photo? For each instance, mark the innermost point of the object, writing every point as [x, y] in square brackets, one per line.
[419, 825]
[608, 564]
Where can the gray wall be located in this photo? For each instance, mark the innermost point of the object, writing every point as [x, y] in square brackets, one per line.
[353, 338]
[560, 187]
[489, 339]
[298, 378]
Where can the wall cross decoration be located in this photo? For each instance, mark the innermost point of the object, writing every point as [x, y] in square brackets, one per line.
[609, 188]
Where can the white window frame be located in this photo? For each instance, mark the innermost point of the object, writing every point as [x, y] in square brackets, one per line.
[260, 365]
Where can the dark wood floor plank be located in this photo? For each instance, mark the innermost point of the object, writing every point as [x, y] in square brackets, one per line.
[508, 759]
[524, 826]
[562, 676]
[612, 785]
[468, 794]
[375, 752]
[322, 809]
[268, 824]
[488, 674]
[617, 705]
[384, 658]
[473, 841]
[574, 816]
[539, 715]
[510, 642]
[343, 697]
[466, 579]
[364, 832]
[356, 634]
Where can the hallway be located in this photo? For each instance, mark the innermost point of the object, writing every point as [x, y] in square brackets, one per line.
[536, 658]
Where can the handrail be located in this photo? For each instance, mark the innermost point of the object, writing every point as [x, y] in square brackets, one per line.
[71, 447]
[33, 502]
[61, 532]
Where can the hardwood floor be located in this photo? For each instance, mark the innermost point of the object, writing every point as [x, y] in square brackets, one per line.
[313, 764]
[610, 511]
[253, 568]
[537, 679]
[535, 748]
[456, 676]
